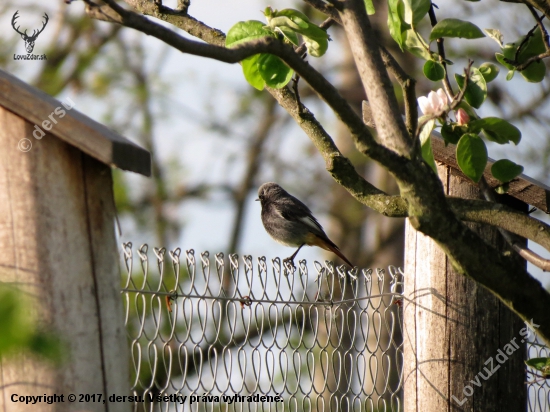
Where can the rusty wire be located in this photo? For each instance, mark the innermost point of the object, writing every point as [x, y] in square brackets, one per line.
[327, 339]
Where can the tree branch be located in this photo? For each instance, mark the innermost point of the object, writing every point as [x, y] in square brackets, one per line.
[391, 129]
[521, 250]
[337, 165]
[406, 82]
[393, 206]
[422, 192]
[429, 211]
[502, 216]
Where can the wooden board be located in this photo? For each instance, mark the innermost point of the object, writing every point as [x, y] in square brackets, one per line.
[59, 252]
[78, 130]
[524, 188]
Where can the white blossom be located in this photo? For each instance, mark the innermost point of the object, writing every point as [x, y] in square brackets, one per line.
[434, 103]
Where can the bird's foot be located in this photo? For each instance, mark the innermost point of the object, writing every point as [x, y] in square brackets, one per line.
[289, 263]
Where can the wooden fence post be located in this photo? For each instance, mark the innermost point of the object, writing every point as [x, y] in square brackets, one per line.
[454, 329]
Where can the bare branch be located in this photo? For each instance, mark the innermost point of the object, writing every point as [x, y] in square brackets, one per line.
[533, 59]
[502, 216]
[524, 252]
[441, 51]
[364, 44]
[406, 82]
[543, 31]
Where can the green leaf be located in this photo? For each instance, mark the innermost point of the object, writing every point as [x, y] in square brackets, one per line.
[509, 51]
[426, 144]
[535, 72]
[496, 129]
[316, 46]
[496, 35]
[275, 73]
[245, 31]
[533, 46]
[510, 75]
[455, 28]
[540, 364]
[415, 10]
[19, 330]
[242, 32]
[471, 155]
[315, 38]
[252, 72]
[452, 132]
[396, 24]
[15, 325]
[489, 71]
[415, 44]
[505, 170]
[434, 71]
[369, 6]
[289, 35]
[476, 91]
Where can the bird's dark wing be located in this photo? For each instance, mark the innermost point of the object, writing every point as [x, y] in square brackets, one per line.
[294, 210]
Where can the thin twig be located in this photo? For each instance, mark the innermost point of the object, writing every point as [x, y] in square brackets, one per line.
[523, 42]
[442, 59]
[408, 85]
[295, 81]
[533, 59]
[543, 31]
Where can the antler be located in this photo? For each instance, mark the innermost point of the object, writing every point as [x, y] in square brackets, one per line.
[34, 33]
[15, 16]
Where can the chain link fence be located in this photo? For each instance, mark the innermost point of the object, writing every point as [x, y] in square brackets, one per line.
[230, 334]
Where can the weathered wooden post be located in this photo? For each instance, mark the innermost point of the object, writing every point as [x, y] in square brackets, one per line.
[455, 331]
[58, 245]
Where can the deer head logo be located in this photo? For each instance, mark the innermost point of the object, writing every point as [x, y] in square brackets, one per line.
[29, 40]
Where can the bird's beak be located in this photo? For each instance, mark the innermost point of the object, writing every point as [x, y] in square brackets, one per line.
[257, 200]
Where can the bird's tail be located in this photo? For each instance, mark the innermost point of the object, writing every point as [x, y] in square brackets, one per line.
[337, 252]
[327, 244]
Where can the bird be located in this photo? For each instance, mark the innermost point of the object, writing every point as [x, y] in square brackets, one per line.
[290, 222]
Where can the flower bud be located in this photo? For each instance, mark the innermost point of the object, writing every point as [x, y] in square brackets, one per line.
[462, 117]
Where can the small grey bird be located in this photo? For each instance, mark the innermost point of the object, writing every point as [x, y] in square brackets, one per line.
[290, 222]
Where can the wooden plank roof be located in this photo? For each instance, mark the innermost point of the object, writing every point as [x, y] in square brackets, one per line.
[75, 128]
[523, 188]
